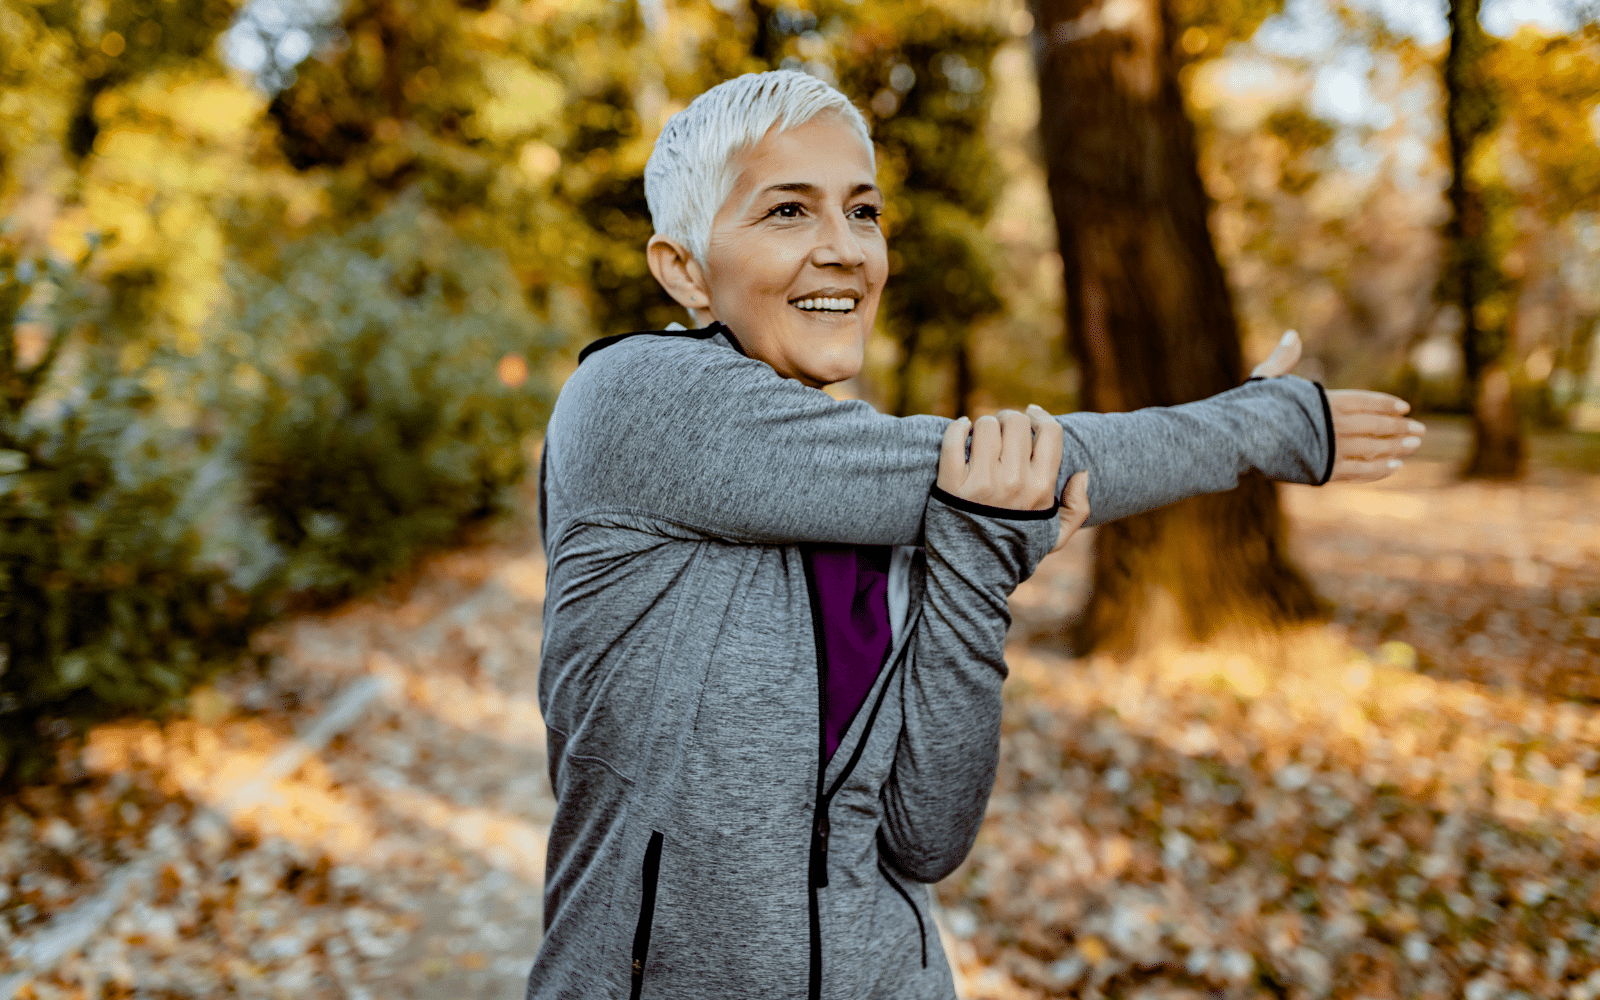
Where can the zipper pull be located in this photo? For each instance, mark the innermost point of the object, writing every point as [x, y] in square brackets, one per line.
[819, 850]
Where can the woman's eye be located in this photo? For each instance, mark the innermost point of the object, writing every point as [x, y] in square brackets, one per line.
[866, 212]
[788, 210]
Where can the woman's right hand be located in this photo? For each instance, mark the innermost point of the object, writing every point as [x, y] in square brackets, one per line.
[1014, 461]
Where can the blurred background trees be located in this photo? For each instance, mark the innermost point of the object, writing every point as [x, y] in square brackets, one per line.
[1504, 204]
[222, 401]
[289, 282]
[1150, 315]
[1151, 319]
[1474, 280]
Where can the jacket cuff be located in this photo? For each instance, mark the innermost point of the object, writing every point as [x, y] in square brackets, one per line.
[1327, 423]
[1004, 513]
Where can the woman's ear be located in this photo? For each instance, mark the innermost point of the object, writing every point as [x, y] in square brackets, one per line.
[680, 274]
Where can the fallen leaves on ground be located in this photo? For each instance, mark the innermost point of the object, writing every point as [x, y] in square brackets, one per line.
[1496, 583]
[1332, 815]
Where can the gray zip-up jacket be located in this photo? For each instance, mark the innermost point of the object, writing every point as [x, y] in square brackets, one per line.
[705, 845]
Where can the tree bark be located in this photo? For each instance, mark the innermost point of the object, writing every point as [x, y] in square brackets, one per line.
[965, 379]
[1151, 322]
[1472, 272]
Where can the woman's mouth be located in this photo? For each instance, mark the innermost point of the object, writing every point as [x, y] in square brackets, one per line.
[838, 306]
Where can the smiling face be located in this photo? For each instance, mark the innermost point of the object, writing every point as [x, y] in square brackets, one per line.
[796, 261]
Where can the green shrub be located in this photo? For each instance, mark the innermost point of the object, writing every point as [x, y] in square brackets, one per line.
[380, 423]
[345, 414]
[100, 604]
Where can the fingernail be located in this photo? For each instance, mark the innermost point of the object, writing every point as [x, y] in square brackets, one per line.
[1410, 442]
[1416, 427]
[964, 420]
[1288, 335]
[1401, 406]
[1395, 463]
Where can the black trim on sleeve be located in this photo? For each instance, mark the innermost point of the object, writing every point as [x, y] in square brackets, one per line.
[1327, 421]
[984, 510]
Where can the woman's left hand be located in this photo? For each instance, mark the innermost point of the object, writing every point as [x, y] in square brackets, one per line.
[1371, 433]
[1014, 462]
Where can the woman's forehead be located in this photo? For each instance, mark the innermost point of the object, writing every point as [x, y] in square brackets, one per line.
[819, 156]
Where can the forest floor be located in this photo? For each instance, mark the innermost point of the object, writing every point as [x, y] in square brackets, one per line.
[1405, 802]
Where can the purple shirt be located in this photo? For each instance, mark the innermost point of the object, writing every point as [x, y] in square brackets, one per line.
[853, 594]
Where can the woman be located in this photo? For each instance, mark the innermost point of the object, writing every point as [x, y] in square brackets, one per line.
[773, 643]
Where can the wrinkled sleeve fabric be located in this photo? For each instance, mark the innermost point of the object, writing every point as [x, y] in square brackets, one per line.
[950, 740]
[697, 435]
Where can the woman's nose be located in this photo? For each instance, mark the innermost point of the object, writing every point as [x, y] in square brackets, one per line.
[838, 245]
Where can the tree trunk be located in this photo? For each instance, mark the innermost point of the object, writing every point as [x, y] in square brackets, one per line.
[1150, 320]
[762, 45]
[1472, 272]
[966, 380]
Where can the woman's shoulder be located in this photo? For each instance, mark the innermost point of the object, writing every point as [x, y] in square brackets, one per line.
[653, 361]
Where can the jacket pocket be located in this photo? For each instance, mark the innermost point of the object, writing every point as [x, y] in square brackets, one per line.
[922, 931]
[647, 913]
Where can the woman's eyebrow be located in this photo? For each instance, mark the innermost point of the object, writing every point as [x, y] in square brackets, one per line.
[802, 187]
[795, 187]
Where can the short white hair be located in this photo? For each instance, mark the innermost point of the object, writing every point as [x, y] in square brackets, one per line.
[689, 174]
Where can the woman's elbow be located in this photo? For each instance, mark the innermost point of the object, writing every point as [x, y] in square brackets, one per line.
[931, 860]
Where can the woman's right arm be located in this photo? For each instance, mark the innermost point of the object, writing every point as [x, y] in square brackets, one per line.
[986, 533]
[696, 435]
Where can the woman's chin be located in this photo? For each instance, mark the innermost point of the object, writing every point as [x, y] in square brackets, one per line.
[820, 378]
[816, 357]
[825, 374]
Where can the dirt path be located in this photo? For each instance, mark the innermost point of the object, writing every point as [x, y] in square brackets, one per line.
[404, 859]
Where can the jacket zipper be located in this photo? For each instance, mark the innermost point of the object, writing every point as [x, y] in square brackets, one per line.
[821, 829]
[922, 931]
[817, 876]
[647, 912]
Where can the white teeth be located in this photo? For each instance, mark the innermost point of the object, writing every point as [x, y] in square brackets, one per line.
[826, 305]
